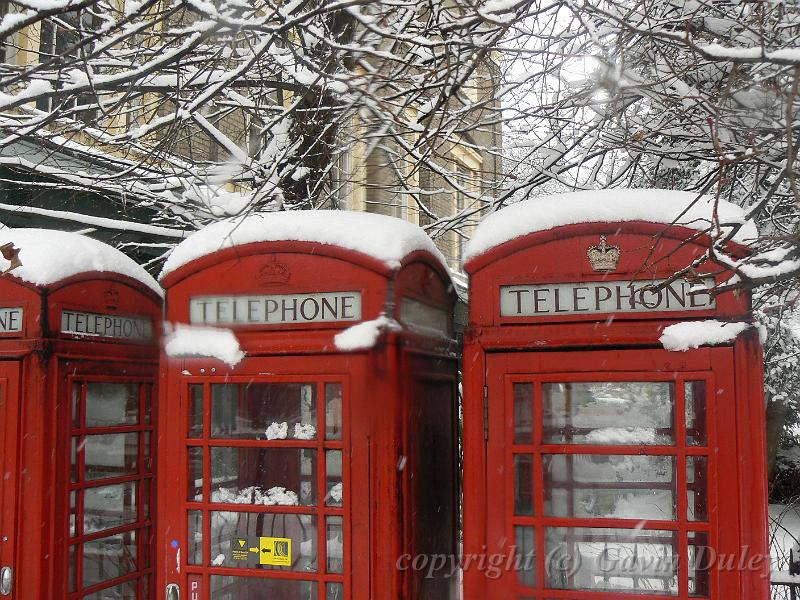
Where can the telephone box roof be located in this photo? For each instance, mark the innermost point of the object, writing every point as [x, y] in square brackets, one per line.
[387, 239]
[606, 206]
[49, 256]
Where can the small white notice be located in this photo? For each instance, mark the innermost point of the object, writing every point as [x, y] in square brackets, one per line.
[11, 320]
[594, 297]
[277, 309]
[109, 326]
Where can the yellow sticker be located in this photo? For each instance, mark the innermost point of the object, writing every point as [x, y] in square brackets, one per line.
[275, 551]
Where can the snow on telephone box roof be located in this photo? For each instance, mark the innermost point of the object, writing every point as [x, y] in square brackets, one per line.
[387, 239]
[49, 256]
[605, 206]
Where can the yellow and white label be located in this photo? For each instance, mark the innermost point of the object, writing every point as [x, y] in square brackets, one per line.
[273, 551]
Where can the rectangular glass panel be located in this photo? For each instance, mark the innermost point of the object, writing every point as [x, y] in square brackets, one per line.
[333, 411]
[73, 567]
[112, 404]
[123, 591]
[334, 591]
[523, 484]
[526, 556]
[195, 425]
[640, 561]
[609, 413]
[226, 587]
[194, 554]
[194, 467]
[73, 514]
[147, 400]
[523, 413]
[271, 411]
[110, 455]
[108, 558]
[697, 488]
[695, 397]
[335, 544]
[608, 485]
[701, 560]
[109, 506]
[271, 476]
[334, 488]
[76, 405]
[228, 528]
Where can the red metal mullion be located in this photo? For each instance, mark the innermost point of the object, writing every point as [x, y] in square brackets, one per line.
[205, 514]
[80, 479]
[322, 465]
[345, 510]
[680, 469]
[95, 483]
[538, 495]
[712, 487]
[603, 595]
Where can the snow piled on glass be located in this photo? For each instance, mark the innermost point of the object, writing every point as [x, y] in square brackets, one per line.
[49, 256]
[386, 239]
[606, 206]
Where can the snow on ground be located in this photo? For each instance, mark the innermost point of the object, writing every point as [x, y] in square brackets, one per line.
[48, 256]
[784, 529]
[387, 239]
[693, 334]
[604, 206]
[364, 335]
[185, 341]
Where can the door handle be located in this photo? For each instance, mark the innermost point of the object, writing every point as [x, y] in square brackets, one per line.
[6, 581]
[173, 591]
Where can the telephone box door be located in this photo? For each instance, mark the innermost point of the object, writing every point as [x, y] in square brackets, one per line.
[612, 457]
[9, 468]
[261, 500]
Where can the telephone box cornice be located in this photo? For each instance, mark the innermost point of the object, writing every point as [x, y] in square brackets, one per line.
[620, 228]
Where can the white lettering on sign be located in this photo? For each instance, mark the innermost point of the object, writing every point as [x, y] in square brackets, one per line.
[594, 297]
[110, 326]
[11, 320]
[275, 309]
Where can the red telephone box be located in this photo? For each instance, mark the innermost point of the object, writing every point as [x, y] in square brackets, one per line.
[325, 458]
[79, 325]
[598, 464]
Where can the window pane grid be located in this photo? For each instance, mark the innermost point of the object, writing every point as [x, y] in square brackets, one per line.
[687, 457]
[327, 424]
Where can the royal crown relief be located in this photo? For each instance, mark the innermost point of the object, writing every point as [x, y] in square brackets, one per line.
[606, 296]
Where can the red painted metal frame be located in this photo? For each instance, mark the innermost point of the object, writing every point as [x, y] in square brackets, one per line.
[498, 350]
[10, 509]
[376, 393]
[46, 360]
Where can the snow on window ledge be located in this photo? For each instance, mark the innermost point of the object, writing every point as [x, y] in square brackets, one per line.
[186, 341]
[693, 334]
[364, 336]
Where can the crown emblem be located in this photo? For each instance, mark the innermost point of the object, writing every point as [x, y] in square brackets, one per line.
[273, 273]
[111, 298]
[603, 258]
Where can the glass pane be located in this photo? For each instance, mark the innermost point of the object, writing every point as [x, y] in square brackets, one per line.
[109, 506]
[609, 412]
[225, 587]
[195, 552]
[523, 484]
[195, 425]
[73, 567]
[112, 404]
[147, 399]
[229, 529]
[194, 466]
[73, 514]
[523, 413]
[123, 591]
[695, 394]
[147, 455]
[697, 488]
[334, 489]
[272, 411]
[701, 559]
[526, 556]
[110, 455]
[602, 485]
[108, 558]
[335, 544]
[76, 404]
[271, 476]
[334, 591]
[73, 458]
[631, 560]
[333, 411]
